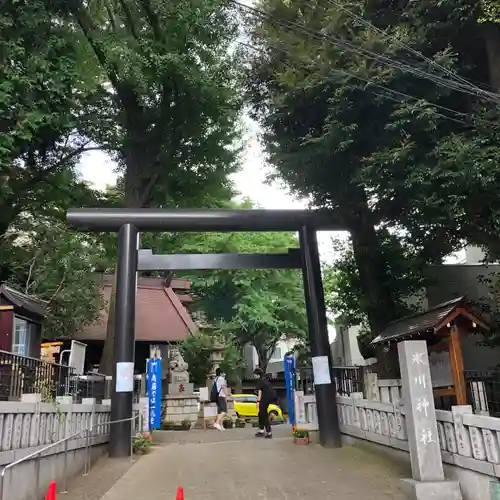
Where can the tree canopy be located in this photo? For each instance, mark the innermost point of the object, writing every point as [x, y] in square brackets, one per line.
[369, 109]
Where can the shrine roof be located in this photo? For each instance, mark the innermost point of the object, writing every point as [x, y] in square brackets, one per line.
[160, 314]
[428, 321]
[22, 301]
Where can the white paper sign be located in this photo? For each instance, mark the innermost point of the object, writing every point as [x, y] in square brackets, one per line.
[125, 377]
[321, 370]
[144, 405]
[204, 394]
[209, 411]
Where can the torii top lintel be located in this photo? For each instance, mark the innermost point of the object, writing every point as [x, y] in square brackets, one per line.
[199, 220]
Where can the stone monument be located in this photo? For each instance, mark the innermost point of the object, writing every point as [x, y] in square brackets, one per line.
[428, 482]
[181, 403]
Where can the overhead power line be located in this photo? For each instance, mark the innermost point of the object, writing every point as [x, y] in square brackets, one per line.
[452, 74]
[348, 46]
[393, 93]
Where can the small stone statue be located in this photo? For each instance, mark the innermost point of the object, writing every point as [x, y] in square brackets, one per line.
[179, 375]
[177, 363]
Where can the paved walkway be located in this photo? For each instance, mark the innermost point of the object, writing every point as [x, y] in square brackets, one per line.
[236, 466]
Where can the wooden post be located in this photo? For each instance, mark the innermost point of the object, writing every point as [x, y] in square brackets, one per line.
[6, 327]
[457, 366]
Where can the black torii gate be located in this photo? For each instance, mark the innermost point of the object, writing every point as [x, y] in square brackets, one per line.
[128, 223]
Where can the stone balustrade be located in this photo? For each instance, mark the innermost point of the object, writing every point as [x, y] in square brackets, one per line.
[470, 441]
[382, 423]
[29, 425]
[470, 444]
[305, 411]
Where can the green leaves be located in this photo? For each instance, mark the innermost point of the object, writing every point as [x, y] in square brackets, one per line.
[58, 265]
[196, 351]
[359, 119]
[174, 92]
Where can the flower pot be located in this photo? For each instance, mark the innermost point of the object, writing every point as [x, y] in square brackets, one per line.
[301, 440]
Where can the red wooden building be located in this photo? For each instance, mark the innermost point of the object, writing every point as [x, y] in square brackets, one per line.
[161, 318]
[21, 318]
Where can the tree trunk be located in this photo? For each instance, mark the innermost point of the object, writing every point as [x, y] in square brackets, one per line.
[377, 300]
[133, 195]
[106, 363]
[263, 358]
[491, 35]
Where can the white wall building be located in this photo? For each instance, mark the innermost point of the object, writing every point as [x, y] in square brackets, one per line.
[345, 350]
[275, 366]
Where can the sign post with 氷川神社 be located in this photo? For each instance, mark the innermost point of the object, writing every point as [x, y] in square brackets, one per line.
[425, 451]
[154, 393]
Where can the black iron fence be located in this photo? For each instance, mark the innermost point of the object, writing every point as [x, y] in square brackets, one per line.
[23, 375]
[483, 391]
[348, 379]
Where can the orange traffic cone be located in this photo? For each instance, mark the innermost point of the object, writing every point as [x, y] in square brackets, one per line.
[51, 492]
[180, 493]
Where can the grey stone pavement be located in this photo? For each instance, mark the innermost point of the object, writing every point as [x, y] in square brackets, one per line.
[236, 466]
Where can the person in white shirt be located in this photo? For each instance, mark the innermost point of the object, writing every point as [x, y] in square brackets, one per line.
[221, 388]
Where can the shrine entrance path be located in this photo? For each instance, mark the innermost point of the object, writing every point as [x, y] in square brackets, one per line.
[235, 466]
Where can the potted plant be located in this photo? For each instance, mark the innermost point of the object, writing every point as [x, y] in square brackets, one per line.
[300, 437]
[240, 423]
[142, 443]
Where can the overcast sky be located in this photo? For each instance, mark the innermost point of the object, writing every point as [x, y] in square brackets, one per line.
[97, 168]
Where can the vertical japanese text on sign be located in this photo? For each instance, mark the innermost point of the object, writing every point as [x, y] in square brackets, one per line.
[154, 393]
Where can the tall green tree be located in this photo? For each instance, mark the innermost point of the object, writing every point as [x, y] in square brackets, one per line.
[370, 139]
[256, 307]
[173, 95]
[44, 95]
[196, 351]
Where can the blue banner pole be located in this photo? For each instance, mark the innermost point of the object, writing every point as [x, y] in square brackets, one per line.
[289, 364]
[154, 393]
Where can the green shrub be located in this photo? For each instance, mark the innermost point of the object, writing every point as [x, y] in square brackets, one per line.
[185, 425]
[168, 425]
[141, 444]
[297, 433]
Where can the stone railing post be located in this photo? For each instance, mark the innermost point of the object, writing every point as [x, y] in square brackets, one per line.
[67, 403]
[421, 426]
[92, 420]
[371, 386]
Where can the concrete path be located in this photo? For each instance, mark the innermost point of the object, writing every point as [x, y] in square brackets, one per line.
[236, 466]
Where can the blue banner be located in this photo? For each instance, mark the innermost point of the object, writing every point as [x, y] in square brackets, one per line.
[289, 364]
[154, 393]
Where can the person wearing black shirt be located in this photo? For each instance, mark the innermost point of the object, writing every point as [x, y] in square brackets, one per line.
[264, 399]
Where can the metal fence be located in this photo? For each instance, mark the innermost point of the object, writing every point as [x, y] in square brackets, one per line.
[23, 375]
[348, 379]
[483, 391]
